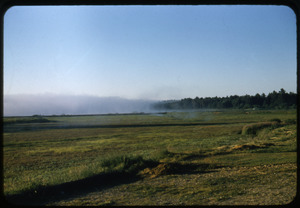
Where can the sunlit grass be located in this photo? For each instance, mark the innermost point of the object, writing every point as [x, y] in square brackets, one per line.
[54, 156]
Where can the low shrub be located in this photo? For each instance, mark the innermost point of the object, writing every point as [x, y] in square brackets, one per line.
[165, 154]
[276, 120]
[126, 164]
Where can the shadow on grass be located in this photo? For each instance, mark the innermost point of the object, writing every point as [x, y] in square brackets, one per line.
[50, 194]
[43, 195]
[120, 170]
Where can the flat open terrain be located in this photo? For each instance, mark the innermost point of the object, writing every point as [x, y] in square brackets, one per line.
[175, 158]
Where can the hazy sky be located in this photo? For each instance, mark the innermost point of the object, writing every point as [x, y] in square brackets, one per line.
[149, 52]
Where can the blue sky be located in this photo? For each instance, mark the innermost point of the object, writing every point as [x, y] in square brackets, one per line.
[149, 52]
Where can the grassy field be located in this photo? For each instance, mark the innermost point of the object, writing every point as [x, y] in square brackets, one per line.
[175, 158]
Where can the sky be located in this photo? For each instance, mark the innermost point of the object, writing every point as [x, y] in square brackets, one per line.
[148, 52]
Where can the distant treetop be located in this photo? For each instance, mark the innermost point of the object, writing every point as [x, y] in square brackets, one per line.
[274, 100]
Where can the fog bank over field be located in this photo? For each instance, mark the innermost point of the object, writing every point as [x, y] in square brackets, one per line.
[51, 104]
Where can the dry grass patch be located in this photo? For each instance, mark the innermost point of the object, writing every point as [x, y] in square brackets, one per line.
[252, 129]
[251, 146]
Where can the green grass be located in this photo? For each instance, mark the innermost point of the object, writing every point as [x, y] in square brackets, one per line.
[42, 154]
[32, 119]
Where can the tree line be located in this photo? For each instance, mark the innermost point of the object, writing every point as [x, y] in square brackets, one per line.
[274, 100]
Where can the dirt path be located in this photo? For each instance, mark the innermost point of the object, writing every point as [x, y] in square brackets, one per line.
[259, 185]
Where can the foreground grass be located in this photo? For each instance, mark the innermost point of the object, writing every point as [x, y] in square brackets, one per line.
[256, 185]
[42, 158]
